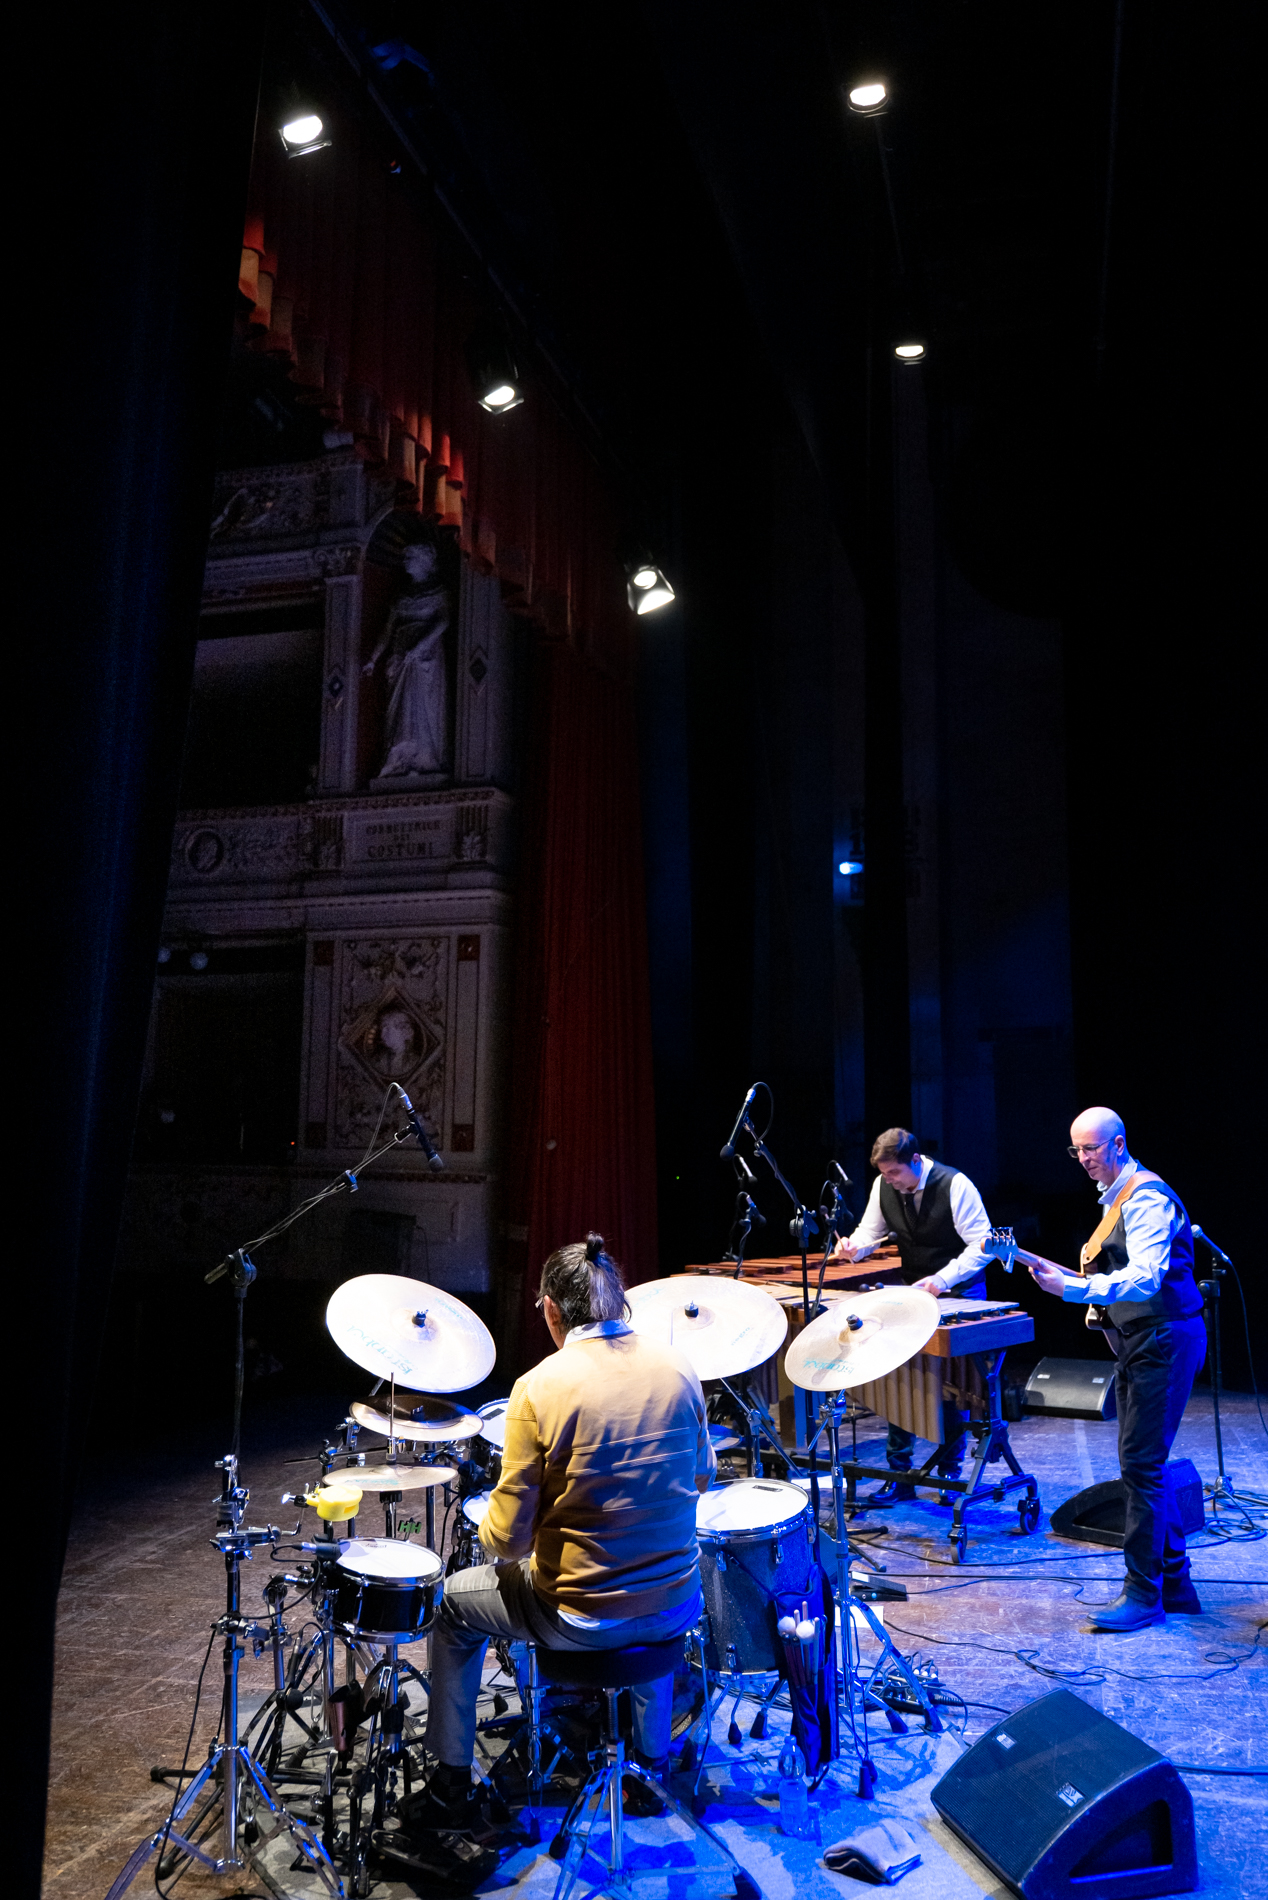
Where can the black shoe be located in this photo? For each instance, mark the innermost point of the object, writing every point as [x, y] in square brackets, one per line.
[443, 1803]
[892, 1492]
[442, 1862]
[638, 1799]
[1127, 1613]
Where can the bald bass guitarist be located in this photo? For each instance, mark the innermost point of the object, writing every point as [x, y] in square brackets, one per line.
[1136, 1281]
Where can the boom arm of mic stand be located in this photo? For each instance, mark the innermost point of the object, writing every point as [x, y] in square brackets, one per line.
[347, 1179]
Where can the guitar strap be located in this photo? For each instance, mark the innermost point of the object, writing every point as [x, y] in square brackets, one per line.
[1109, 1220]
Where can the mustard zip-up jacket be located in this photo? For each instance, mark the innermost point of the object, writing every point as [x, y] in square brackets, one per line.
[604, 1443]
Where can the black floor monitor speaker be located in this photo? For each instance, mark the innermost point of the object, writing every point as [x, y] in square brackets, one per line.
[1097, 1515]
[1060, 1801]
[1071, 1388]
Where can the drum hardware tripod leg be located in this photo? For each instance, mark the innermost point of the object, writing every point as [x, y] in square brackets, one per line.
[230, 1776]
[603, 1790]
[847, 1603]
[384, 1747]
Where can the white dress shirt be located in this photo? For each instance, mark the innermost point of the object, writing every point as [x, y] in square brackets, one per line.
[968, 1216]
[1151, 1219]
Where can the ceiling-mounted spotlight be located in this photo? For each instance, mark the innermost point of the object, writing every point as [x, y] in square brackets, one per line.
[869, 98]
[494, 372]
[302, 133]
[910, 352]
[646, 587]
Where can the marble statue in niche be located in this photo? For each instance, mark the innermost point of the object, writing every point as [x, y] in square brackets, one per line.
[416, 728]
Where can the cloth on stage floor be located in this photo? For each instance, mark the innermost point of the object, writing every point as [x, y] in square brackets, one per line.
[814, 1702]
[880, 1853]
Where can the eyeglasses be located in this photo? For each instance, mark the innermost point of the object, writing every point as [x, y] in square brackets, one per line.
[1090, 1148]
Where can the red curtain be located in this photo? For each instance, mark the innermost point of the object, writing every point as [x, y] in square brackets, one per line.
[582, 1119]
[364, 289]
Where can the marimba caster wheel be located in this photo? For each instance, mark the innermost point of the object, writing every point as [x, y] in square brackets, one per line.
[1029, 1511]
[959, 1544]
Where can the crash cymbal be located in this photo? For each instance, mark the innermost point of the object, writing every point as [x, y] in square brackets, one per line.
[421, 1420]
[862, 1337]
[400, 1328]
[722, 1326]
[389, 1477]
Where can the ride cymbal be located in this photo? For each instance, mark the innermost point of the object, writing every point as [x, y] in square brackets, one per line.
[400, 1328]
[722, 1326]
[862, 1337]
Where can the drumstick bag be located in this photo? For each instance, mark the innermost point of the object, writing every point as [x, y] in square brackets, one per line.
[813, 1690]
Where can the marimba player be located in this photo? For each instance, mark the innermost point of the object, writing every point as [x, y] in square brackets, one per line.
[937, 1218]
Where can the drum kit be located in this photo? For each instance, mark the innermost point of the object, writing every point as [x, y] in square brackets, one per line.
[365, 1598]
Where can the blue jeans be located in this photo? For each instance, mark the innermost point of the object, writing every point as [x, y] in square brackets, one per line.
[498, 1600]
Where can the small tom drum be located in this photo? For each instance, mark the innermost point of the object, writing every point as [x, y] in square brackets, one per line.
[756, 1536]
[384, 1590]
[474, 1508]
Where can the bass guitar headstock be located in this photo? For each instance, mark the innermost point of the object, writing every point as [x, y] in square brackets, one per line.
[1001, 1245]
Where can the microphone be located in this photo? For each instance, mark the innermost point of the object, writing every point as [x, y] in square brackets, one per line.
[746, 1208]
[728, 1146]
[1208, 1242]
[424, 1140]
[841, 1174]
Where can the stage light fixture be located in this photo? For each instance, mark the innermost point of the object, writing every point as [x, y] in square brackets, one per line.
[869, 98]
[302, 134]
[849, 868]
[910, 352]
[646, 587]
[493, 370]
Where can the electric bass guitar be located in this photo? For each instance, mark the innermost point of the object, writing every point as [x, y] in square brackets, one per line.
[1002, 1245]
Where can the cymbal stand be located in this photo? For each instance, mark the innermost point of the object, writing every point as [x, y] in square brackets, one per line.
[231, 1778]
[758, 1424]
[847, 1603]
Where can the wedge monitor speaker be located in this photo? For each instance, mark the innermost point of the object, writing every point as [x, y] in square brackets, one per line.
[1060, 1801]
[1097, 1515]
[1071, 1388]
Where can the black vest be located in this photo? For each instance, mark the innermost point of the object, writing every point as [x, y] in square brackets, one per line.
[1177, 1297]
[927, 1240]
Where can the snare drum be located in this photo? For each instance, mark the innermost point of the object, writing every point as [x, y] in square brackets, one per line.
[384, 1590]
[756, 1536]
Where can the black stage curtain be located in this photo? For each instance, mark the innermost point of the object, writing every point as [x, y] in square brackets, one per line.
[138, 123]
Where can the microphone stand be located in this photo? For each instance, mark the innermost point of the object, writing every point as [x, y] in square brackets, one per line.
[801, 1228]
[1221, 1490]
[232, 1779]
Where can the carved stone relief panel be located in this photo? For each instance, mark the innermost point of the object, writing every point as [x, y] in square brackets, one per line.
[392, 1007]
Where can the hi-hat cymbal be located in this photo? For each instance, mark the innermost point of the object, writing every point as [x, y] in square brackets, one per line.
[862, 1337]
[422, 1420]
[722, 1326]
[390, 1477]
[400, 1328]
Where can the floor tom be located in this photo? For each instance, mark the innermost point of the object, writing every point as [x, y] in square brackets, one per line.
[756, 1536]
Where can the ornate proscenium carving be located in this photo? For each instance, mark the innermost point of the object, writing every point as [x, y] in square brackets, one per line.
[392, 1017]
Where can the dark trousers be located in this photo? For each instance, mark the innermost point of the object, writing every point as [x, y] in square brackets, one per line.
[900, 1444]
[1152, 1381]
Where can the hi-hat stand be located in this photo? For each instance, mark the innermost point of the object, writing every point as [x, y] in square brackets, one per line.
[231, 1782]
[890, 1658]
